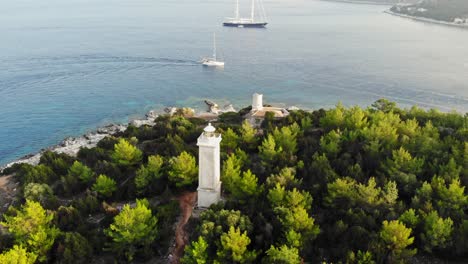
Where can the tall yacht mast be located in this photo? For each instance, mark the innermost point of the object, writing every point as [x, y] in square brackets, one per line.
[213, 61]
[214, 46]
[253, 10]
[242, 22]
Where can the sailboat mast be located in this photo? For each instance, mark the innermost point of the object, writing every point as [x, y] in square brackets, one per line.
[253, 10]
[214, 46]
[237, 9]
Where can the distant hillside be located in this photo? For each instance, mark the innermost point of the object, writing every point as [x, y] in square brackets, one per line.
[379, 1]
[389, 2]
[444, 10]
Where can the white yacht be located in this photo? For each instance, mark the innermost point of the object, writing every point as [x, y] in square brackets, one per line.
[213, 61]
[252, 21]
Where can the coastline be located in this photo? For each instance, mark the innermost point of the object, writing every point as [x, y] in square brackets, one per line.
[71, 145]
[359, 2]
[428, 20]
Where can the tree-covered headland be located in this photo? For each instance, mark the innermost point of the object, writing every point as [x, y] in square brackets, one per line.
[344, 185]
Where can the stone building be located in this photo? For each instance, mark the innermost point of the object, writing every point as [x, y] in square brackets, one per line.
[258, 112]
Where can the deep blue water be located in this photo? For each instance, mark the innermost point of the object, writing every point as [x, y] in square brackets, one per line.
[67, 67]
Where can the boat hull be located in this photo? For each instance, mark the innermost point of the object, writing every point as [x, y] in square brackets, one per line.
[212, 63]
[245, 25]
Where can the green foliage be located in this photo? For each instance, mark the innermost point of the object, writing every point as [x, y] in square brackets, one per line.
[87, 204]
[126, 154]
[104, 186]
[76, 249]
[183, 170]
[396, 238]
[78, 176]
[362, 257]
[404, 170]
[334, 118]
[231, 172]
[231, 117]
[80, 171]
[364, 167]
[230, 140]
[234, 247]
[18, 255]
[450, 171]
[147, 175]
[245, 187]
[39, 192]
[32, 227]
[68, 218]
[291, 209]
[461, 238]
[384, 105]
[248, 136]
[282, 255]
[321, 173]
[133, 230]
[346, 192]
[269, 150]
[215, 222]
[286, 138]
[452, 200]
[437, 232]
[330, 143]
[409, 218]
[286, 177]
[196, 252]
[38, 174]
[355, 118]
[59, 163]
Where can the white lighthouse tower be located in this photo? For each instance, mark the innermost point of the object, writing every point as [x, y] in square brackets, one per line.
[209, 185]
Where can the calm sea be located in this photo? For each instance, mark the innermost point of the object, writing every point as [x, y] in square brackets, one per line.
[67, 67]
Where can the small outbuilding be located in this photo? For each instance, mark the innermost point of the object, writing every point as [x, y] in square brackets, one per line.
[259, 111]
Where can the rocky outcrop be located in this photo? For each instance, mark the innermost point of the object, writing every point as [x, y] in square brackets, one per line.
[213, 108]
[170, 110]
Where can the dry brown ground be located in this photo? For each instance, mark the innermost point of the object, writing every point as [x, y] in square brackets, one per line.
[4, 181]
[7, 192]
[187, 202]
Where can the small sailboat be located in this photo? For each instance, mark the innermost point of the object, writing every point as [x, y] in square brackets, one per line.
[213, 61]
[251, 22]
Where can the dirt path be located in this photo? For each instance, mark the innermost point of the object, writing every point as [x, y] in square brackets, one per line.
[8, 189]
[4, 180]
[187, 202]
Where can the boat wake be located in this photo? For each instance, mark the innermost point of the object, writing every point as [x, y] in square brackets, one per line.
[31, 71]
[93, 59]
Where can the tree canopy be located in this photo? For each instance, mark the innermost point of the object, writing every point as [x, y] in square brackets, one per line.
[342, 185]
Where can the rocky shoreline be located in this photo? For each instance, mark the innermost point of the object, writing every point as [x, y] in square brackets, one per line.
[71, 145]
[429, 20]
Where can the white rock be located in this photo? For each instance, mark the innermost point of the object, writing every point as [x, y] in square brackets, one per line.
[229, 108]
[151, 115]
[293, 108]
[140, 122]
[170, 110]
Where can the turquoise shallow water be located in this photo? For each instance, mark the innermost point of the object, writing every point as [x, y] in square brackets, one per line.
[67, 67]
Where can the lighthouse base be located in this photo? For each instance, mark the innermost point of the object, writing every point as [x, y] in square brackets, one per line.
[207, 197]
